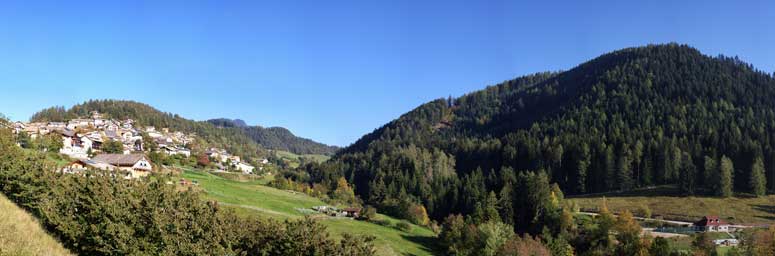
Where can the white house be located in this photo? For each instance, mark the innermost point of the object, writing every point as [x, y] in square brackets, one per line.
[137, 165]
[245, 168]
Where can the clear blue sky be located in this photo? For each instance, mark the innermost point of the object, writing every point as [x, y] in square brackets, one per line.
[333, 70]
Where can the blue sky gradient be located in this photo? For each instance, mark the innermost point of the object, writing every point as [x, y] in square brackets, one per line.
[333, 70]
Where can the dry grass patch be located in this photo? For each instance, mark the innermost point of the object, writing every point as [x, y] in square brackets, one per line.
[21, 234]
[742, 209]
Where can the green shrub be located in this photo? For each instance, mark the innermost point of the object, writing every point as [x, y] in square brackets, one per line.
[404, 226]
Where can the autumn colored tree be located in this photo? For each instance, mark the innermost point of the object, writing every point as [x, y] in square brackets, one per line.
[418, 215]
[203, 160]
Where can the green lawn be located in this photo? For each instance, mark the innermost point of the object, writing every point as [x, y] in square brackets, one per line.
[664, 201]
[254, 198]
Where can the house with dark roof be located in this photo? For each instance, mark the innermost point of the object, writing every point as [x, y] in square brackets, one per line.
[80, 165]
[711, 224]
[137, 165]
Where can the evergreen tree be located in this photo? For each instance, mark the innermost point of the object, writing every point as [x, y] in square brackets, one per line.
[688, 174]
[726, 178]
[624, 170]
[758, 180]
[711, 174]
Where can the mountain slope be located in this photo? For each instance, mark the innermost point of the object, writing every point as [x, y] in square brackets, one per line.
[660, 114]
[277, 138]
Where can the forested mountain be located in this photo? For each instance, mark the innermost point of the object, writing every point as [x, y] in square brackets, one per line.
[660, 114]
[232, 139]
[277, 138]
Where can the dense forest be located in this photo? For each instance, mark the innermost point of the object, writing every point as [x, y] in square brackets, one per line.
[660, 114]
[235, 139]
[277, 138]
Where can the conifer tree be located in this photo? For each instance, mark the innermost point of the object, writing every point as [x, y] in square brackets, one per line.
[758, 181]
[725, 180]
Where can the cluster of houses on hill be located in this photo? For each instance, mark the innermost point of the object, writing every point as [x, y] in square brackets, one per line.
[233, 161]
[84, 137]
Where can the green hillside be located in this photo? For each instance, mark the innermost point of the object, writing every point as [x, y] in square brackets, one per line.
[277, 138]
[632, 118]
[253, 198]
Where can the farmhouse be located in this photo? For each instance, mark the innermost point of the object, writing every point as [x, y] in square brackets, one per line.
[245, 168]
[83, 164]
[136, 164]
[352, 212]
[711, 224]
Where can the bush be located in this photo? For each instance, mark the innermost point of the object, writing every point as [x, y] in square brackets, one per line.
[404, 226]
[381, 222]
[644, 211]
[368, 212]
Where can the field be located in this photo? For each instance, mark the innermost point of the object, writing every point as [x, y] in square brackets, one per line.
[20, 233]
[254, 198]
[294, 159]
[664, 201]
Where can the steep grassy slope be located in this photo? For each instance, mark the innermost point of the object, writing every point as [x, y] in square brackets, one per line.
[21, 234]
[254, 198]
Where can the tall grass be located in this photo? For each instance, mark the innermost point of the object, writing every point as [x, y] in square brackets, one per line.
[21, 234]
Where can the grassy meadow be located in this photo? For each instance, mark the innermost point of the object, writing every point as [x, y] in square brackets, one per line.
[295, 159]
[21, 234]
[252, 197]
[665, 201]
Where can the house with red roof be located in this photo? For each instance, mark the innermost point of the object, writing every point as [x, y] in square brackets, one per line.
[711, 224]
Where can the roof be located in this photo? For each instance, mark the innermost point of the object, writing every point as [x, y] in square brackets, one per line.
[351, 209]
[96, 165]
[119, 159]
[710, 221]
[111, 134]
[66, 133]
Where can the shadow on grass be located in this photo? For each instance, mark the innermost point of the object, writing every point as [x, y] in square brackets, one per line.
[429, 244]
[769, 209]
[666, 190]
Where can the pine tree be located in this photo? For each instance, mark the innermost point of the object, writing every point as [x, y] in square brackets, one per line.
[506, 205]
[758, 181]
[726, 178]
[624, 170]
[610, 168]
[711, 173]
[687, 175]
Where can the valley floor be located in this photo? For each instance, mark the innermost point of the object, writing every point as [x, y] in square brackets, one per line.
[255, 198]
[665, 203]
[21, 234]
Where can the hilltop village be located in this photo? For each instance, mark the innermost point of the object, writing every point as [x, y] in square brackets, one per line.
[109, 144]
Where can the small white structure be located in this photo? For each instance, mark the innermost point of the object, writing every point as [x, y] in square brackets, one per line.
[245, 168]
[726, 242]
